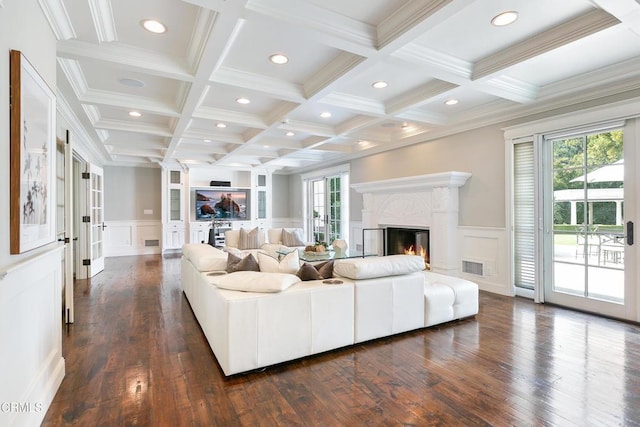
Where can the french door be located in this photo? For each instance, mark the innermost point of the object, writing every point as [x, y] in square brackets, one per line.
[587, 216]
[96, 220]
[327, 209]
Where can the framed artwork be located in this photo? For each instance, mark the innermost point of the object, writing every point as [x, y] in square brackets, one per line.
[32, 158]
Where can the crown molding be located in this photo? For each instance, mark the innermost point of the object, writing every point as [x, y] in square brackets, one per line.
[102, 16]
[570, 31]
[58, 18]
[81, 140]
[73, 72]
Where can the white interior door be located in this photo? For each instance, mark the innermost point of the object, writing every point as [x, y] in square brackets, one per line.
[64, 173]
[96, 220]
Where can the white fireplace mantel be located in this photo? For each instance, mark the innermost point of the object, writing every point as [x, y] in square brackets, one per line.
[451, 179]
[425, 201]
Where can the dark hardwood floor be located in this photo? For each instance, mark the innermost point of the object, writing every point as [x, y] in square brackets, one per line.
[136, 356]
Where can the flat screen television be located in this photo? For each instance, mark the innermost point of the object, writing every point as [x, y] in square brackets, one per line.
[227, 204]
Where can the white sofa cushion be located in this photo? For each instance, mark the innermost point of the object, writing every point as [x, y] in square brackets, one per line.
[372, 267]
[205, 257]
[255, 281]
[290, 263]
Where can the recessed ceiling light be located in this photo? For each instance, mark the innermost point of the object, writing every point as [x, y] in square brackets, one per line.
[153, 26]
[243, 101]
[221, 125]
[451, 102]
[325, 115]
[131, 82]
[380, 84]
[290, 133]
[278, 58]
[505, 18]
[207, 140]
[265, 146]
[135, 114]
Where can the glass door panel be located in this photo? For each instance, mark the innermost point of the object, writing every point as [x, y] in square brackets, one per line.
[587, 238]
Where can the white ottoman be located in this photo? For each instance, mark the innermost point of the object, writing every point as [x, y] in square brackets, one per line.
[448, 298]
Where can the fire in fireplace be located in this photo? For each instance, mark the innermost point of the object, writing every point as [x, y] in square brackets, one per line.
[409, 241]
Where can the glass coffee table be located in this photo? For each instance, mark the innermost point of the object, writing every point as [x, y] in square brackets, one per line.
[327, 255]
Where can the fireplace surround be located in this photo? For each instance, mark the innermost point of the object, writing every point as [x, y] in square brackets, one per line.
[420, 202]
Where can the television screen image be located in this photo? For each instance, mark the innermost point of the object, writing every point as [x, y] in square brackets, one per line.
[225, 204]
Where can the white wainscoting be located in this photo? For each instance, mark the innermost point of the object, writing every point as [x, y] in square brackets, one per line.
[31, 338]
[124, 238]
[488, 246]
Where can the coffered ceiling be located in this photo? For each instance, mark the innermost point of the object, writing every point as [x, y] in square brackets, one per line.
[186, 81]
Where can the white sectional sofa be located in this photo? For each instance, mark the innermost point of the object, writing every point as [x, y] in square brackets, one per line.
[378, 296]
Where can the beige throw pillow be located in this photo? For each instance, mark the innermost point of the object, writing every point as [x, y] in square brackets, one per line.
[248, 239]
[291, 238]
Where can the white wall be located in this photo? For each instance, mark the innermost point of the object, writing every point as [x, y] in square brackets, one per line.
[30, 283]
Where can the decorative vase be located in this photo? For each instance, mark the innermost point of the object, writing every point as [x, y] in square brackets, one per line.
[340, 246]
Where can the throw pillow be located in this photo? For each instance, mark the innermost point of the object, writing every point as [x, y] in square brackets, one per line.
[316, 272]
[248, 239]
[288, 264]
[248, 263]
[291, 238]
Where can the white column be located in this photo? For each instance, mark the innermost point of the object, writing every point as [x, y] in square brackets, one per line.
[619, 212]
[574, 213]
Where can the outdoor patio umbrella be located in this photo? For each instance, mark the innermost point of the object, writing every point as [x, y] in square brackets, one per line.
[608, 173]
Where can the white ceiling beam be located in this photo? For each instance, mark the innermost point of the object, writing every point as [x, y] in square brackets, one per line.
[125, 56]
[627, 11]
[101, 97]
[345, 33]
[125, 126]
[227, 116]
[255, 82]
[561, 35]
[102, 16]
[418, 96]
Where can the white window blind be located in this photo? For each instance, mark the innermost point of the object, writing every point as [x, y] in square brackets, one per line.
[524, 215]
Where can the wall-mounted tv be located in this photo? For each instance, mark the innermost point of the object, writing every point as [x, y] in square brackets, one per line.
[228, 204]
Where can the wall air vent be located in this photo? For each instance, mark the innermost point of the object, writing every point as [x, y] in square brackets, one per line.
[155, 242]
[474, 267]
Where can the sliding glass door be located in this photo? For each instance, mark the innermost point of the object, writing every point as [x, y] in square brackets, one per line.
[584, 215]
